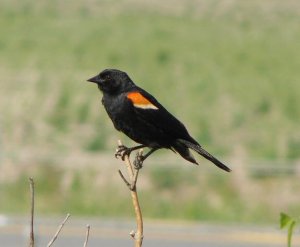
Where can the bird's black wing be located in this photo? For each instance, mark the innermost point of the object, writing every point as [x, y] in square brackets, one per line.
[151, 112]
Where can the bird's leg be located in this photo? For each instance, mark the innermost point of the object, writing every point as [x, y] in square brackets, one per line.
[139, 159]
[122, 151]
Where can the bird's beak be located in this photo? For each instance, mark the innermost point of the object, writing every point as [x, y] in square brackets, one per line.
[94, 79]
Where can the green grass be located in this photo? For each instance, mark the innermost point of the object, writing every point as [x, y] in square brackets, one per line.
[229, 70]
[235, 73]
[166, 192]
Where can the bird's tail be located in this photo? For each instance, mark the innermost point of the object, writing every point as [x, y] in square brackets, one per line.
[205, 154]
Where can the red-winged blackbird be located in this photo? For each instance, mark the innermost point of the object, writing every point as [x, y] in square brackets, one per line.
[141, 117]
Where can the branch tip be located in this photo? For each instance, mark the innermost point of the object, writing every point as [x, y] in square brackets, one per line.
[88, 227]
[132, 234]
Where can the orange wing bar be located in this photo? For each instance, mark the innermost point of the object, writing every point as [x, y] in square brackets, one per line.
[140, 101]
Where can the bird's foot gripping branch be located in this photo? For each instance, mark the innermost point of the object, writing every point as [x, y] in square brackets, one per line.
[131, 182]
[132, 168]
[122, 151]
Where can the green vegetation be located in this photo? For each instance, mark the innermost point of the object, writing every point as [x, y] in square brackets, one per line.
[288, 222]
[177, 191]
[228, 69]
[234, 70]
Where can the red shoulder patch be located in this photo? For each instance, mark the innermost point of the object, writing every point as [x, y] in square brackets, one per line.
[140, 101]
[138, 98]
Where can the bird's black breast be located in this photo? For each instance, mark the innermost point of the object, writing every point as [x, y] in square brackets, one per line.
[118, 109]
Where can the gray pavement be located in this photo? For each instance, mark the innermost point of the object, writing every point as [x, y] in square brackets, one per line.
[15, 231]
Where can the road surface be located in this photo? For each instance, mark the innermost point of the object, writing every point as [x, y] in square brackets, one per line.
[108, 233]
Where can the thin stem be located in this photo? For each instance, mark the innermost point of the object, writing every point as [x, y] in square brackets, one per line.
[133, 175]
[58, 231]
[31, 240]
[87, 235]
[125, 180]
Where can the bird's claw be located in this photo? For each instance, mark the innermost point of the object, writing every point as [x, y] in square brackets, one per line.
[138, 162]
[122, 151]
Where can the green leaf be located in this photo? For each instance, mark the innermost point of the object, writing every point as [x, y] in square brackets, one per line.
[285, 220]
[290, 233]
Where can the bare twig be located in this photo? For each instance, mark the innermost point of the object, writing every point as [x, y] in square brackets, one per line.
[127, 163]
[31, 240]
[133, 183]
[125, 180]
[58, 231]
[133, 176]
[138, 236]
[87, 235]
[137, 170]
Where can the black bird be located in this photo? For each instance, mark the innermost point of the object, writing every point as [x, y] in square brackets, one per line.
[141, 117]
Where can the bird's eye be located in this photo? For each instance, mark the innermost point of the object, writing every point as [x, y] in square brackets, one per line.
[107, 77]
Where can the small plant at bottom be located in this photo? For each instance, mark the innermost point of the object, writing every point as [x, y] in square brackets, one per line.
[288, 222]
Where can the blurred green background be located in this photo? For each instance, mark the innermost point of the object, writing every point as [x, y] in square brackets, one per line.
[228, 69]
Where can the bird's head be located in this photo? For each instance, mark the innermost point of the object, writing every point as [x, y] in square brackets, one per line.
[112, 81]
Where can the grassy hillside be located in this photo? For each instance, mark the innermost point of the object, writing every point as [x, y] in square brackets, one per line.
[228, 69]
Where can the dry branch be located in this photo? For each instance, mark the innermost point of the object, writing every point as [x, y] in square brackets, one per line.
[133, 176]
[87, 235]
[31, 240]
[58, 231]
